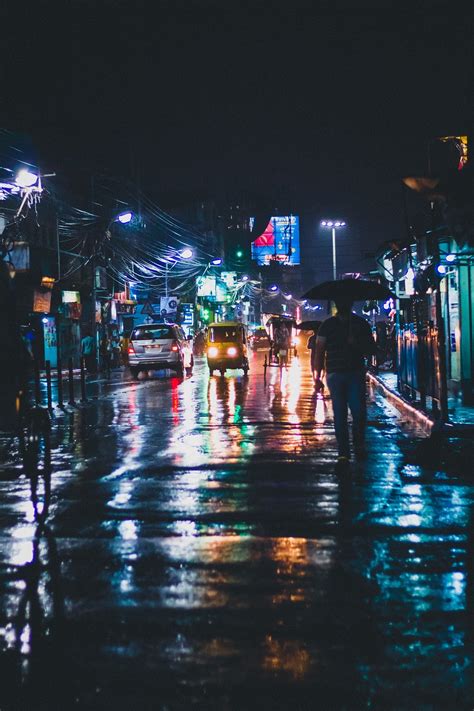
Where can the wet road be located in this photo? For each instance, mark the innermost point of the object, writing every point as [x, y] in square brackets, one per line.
[202, 551]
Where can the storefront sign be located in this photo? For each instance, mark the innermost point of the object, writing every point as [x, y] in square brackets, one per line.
[206, 286]
[188, 314]
[229, 278]
[69, 297]
[169, 306]
[72, 311]
[47, 282]
[50, 340]
[42, 301]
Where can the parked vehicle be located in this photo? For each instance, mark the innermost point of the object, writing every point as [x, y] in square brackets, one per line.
[227, 346]
[160, 345]
[260, 340]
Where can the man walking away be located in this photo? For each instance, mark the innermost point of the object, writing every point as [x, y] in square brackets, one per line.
[345, 340]
[87, 352]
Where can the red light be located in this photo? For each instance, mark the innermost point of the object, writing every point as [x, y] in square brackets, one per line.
[174, 347]
[131, 349]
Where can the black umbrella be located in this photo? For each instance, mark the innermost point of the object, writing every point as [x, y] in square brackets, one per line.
[282, 319]
[309, 325]
[349, 289]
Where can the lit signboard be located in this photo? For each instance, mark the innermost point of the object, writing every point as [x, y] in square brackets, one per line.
[280, 242]
[188, 314]
[71, 297]
[206, 286]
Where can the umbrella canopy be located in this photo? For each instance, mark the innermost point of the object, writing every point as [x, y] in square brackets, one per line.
[282, 319]
[353, 289]
[309, 325]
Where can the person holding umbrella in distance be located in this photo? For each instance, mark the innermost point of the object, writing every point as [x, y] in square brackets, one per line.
[342, 344]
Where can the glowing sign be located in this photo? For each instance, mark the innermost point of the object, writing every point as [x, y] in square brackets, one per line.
[280, 242]
[206, 286]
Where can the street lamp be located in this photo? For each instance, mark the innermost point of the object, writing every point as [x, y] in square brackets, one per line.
[124, 217]
[25, 178]
[333, 225]
[217, 262]
[186, 253]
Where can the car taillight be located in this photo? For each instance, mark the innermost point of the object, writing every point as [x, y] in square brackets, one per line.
[131, 349]
[174, 347]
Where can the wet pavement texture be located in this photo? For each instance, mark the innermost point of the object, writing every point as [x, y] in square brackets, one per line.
[202, 551]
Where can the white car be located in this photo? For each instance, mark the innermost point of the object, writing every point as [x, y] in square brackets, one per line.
[160, 345]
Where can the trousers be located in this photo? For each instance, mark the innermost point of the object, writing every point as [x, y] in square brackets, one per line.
[347, 389]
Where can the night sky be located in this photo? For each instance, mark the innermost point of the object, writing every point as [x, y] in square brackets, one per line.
[328, 103]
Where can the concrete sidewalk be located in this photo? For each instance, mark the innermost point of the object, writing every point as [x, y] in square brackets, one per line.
[461, 418]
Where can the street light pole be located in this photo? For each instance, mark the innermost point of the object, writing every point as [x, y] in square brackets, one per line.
[186, 253]
[124, 218]
[334, 270]
[333, 226]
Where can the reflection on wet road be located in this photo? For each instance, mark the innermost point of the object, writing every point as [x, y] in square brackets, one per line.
[202, 551]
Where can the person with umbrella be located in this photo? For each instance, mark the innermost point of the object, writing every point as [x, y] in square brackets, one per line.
[311, 345]
[342, 343]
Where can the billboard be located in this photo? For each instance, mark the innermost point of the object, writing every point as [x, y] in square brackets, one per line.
[206, 286]
[169, 307]
[280, 242]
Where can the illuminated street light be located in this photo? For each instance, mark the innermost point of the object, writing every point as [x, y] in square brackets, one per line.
[186, 253]
[333, 226]
[451, 258]
[216, 262]
[273, 287]
[25, 179]
[441, 269]
[124, 217]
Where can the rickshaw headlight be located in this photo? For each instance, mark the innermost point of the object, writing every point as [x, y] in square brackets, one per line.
[232, 351]
[212, 352]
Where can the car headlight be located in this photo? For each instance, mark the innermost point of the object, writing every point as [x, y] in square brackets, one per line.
[212, 352]
[232, 351]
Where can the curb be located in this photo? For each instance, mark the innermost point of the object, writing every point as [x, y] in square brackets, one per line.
[401, 404]
[433, 426]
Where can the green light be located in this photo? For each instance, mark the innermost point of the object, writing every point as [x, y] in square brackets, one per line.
[239, 254]
[205, 314]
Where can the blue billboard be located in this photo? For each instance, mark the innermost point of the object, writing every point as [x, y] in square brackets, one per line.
[280, 242]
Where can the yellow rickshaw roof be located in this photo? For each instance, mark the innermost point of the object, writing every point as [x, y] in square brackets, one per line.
[226, 324]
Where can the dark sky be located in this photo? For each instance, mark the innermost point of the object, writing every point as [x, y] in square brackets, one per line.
[330, 102]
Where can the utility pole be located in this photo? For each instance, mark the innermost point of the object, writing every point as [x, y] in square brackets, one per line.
[94, 301]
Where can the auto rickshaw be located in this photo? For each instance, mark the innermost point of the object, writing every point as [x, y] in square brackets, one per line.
[227, 346]
[278, 355]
